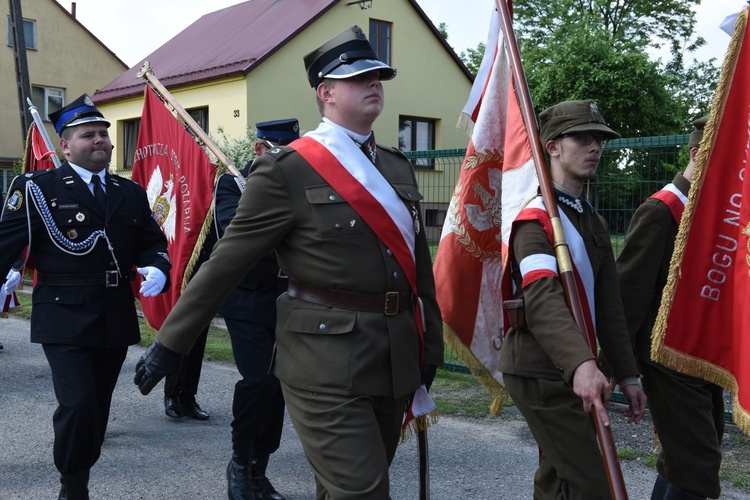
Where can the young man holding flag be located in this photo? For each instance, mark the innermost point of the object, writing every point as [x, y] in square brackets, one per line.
[359, 329]
[688, 412]
[548, 367]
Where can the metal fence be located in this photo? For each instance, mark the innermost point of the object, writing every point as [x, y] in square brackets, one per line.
[629, 172]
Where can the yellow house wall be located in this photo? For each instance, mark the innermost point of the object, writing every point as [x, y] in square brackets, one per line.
[66, 57]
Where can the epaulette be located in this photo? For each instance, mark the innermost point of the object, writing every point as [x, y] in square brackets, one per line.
[279, 152]
[34, 174]
[393, 150]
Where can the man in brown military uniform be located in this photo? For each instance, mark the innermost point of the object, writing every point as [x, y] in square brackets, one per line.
[359, 329]
[688, 412]
[548, 367]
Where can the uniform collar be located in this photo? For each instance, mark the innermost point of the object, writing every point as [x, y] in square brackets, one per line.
[86, 175]
[577, 203]
[358, 138]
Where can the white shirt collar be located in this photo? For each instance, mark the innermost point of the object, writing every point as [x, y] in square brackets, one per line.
[86, 175]
[358, 138]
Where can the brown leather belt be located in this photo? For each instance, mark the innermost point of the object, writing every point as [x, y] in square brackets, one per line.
[390, 303]
[109, 279]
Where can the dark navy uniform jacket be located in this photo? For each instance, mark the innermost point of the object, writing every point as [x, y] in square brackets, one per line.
[254, 299]
[87, 314]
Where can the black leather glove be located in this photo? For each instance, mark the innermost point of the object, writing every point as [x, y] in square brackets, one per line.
[428, 375]
[156, 363]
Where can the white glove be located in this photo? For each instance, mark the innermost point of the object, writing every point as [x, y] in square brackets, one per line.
[154, 280]
[12, 280]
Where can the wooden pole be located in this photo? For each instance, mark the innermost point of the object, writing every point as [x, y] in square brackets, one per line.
[147, 73]
[562, 252]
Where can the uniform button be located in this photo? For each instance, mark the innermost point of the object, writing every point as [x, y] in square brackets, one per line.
[332, 198]
[395, 275]
[409, 195]
[57, 299]
[322, 327]
[389, 252]
[337, 226]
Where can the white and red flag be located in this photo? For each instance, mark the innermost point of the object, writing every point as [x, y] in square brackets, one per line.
[703, 326]
[178, 178]
[37, 156]
[497, 176]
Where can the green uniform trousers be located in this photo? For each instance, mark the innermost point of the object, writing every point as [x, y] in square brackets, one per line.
[571, 466]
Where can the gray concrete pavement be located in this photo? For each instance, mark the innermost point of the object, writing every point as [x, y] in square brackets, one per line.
[146, 455]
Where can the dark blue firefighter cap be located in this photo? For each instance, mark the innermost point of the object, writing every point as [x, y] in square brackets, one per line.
[278, 132]
[80, 111]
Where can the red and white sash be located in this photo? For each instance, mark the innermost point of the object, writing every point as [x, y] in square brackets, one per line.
[535, 267]
[337, 159]
[673, 199]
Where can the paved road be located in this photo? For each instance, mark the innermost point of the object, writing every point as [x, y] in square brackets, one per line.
[146, 455]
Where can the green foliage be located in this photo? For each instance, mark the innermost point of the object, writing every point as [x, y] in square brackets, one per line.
[239, 151]
[443, 29]
[472, 58]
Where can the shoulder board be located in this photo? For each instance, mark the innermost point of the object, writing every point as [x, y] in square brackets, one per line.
[279, 152]
[393, 150]
[35, 174]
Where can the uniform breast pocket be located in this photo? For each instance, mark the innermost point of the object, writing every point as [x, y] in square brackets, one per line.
[67, 218]
[131, 218]
[331, 214]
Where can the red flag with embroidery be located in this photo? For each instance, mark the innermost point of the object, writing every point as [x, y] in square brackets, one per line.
[37, 156]
[703, 326]
[178, 178]
[497, 176]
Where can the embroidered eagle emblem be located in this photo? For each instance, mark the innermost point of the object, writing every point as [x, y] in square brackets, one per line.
[162, 200]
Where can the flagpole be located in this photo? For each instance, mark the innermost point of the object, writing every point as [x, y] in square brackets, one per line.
[562, 252]
[43, 132]
[147, 73]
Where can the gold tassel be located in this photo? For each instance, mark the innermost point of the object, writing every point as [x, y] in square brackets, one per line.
[492, 386]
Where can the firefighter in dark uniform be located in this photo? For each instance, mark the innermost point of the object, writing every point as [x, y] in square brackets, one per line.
[359, 330]
[688, 412]
[250, 315]
[84, 236]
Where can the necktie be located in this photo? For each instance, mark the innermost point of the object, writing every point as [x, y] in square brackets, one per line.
[101, 197]
[368, 147]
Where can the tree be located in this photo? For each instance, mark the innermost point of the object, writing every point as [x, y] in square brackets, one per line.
[472, 58]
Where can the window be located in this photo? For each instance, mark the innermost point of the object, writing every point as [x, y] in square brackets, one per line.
[200, 115]
[29, 33]
[380, 39]
[130, 136]
[47, 100]
[417, 134]
[434, 217]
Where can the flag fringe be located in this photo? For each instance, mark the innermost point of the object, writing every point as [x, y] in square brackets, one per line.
[490, 384]
[661, 353]
[466, 124]
[205, 228]
[419, 424]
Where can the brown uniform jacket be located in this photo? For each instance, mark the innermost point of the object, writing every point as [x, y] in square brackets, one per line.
[643, 266]
[319, 240]
[552, 346]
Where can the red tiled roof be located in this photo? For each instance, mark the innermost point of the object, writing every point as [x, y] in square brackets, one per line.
[233, 41]
[229, 41]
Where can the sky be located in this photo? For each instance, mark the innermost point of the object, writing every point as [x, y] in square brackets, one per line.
[133, 29]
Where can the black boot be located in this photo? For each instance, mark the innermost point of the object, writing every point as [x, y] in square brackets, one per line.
[239, 480]
[263, 488]
[74, 486]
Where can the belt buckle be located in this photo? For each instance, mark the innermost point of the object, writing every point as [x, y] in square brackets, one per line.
[392, 303]
[111, 279]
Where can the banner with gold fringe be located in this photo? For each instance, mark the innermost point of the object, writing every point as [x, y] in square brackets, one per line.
[497, 176]
[178, 178]
[703, 326]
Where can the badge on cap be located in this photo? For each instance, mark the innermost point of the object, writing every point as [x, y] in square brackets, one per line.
[15, 201]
